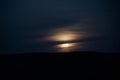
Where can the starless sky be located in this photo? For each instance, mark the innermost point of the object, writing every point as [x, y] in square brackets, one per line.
[36, 25]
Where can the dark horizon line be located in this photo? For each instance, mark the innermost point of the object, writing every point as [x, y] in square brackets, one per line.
[73, 52]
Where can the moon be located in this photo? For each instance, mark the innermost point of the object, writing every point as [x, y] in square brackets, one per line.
[65, 45]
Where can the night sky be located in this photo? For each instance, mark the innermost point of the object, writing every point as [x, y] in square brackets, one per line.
[42, 25]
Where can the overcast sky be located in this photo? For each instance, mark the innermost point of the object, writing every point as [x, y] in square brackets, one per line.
[25, 23]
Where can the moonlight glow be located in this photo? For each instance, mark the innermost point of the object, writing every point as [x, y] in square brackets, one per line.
[65, 39]
[64, 36]
[66, 45]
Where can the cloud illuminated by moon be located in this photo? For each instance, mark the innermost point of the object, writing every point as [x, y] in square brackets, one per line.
[65, 34]
[64, 38]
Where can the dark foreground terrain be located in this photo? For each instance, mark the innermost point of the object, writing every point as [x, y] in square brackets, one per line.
[60, 66]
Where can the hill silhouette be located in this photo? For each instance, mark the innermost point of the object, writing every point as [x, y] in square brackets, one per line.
[60, 66]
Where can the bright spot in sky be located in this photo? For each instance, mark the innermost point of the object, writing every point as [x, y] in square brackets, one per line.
[66, 45]
[67, 37]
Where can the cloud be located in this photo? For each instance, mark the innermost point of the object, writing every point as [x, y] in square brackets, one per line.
[64, 33]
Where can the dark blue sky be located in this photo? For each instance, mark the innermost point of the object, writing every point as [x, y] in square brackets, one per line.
[25, 24]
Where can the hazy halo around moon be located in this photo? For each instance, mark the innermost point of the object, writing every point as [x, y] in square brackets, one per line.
[65, 38]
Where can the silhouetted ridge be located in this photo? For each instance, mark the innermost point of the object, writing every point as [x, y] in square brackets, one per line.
[38, 65]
